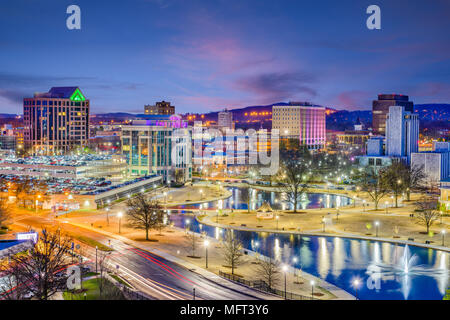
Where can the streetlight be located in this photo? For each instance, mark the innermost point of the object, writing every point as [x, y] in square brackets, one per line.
[312, 289]
[96, 250]
[376, 225]
[285, 269]
[120, 219]
[355, 285]
[364, 205]
[206, 243]
[107, 216]
[201, 194]
[386, 206]
[256, 246]
[276, 218]
[294, 260]
[443, 237]
[323, 223]
[187, 224]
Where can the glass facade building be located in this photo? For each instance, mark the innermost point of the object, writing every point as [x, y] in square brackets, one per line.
[159, 145]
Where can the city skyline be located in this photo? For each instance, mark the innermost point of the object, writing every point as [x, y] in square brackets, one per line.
[210, 56]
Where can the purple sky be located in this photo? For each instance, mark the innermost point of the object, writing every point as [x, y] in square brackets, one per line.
[211, 54]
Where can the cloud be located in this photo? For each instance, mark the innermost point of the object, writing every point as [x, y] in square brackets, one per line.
[278, 86]
[354, 99]
[8, 79]
[12, 95]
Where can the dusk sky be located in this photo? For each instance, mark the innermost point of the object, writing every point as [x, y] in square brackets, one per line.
[214, 54]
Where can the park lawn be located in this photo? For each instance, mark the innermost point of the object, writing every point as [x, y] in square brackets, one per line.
[91, 242]
[120, 280]
[90, 287]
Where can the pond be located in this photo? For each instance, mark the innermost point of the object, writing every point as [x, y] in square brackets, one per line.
[241, 198]
[386, 271]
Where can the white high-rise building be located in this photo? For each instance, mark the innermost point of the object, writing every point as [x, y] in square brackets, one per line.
[225, 119]
[402, 133]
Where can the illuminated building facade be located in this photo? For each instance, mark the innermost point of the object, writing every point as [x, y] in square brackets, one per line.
[301, 120]
[160, 108]
[56, 121]
[158, 145]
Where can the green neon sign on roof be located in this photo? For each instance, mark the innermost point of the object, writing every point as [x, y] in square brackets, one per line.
[77, 95]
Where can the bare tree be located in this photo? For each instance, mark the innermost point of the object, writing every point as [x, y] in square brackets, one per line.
[193, 242]
[269, 270]
[393, 177]
[413, 179]
[144, 213]
[293, 180]
[36, 272]
[427, 212]
[232, 250]
[374, 185]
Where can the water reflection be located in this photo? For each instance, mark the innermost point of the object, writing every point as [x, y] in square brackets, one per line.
[241, 198]
[386, 270]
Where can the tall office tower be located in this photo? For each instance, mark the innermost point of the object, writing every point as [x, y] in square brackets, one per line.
[380, 108]
[301, 120]
[225, 119]
[160, 108]
[402, 133]
[56, 121]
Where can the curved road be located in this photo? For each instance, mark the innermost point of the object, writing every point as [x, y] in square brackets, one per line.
[149, 273]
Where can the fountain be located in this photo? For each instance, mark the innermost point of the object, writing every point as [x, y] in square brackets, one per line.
[408, 262]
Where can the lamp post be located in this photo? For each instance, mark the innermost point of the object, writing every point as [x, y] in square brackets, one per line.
[355, 285]
[285, 269]
[201, 194]
[96, 250]
[386, 206]
[256, 246]
[38, 197]
[294, 260]
[312, 289]
[364, 205]
[119, 215]
[376, 226]
[206, 243]
[187, 225]
[277, 218]
[323, 224]
[443, 237]
[107, 216]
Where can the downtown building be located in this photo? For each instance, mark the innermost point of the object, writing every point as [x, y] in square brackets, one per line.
[159, 144]
[160, 108]
[380, 109]
[402, 133]
[399, 144]
[303, 121]
[225, 120]
[56, 122]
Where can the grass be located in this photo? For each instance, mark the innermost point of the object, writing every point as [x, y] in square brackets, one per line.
[91, 242]
[120, 280]
[91, 288]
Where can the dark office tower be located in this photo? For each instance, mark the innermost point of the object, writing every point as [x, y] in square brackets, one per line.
[56, 121]
[380, 108]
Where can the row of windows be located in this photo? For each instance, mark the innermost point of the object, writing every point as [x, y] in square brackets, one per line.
[55, 103]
